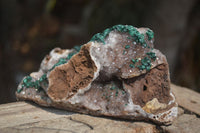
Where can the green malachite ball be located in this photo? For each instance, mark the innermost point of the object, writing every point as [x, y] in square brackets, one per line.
[127, 46]
[132, 66]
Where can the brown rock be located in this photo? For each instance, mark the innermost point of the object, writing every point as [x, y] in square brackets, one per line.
[118, 74]
[67, 79]
[154, 84]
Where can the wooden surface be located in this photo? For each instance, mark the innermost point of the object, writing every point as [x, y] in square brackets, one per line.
[31, 118]
[20, 113]
[187, 98]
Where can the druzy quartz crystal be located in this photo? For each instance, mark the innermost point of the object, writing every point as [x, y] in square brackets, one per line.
[118, 73]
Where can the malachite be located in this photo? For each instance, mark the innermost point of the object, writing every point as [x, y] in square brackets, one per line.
[123, 92]
[152, 55]
[43, 77]
[145, 45]
[114, 88]
[134, 60]
[141, 67]
[145, 64]
[19, 90]
[127, 46]
[116, 93]
[29, 83]
[132, 31]
[132, 66]
[124, 52]
[61, 61]
[77, 48]
[150, 34]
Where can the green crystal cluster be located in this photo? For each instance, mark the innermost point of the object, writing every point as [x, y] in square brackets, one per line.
[152, 55]
[150, 34]
[134, 61]
[114, 88]
[145, 62]
[29, 83]
[136, 36]
[133, 32]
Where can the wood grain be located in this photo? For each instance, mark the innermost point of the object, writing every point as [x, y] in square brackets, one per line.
[25, 117]
[187, 98]
[20, 113]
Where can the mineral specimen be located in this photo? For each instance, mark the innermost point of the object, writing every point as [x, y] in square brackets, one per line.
[118, 73]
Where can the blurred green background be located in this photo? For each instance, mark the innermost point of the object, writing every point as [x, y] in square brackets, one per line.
[29, 29]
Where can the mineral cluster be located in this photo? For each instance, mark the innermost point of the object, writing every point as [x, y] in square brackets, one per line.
[118, 73]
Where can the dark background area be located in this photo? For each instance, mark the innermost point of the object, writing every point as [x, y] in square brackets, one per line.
[29, 29]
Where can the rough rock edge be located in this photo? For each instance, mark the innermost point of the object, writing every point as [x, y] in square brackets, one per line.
[155, 118]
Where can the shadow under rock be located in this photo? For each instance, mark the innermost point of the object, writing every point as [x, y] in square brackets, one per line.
[51, 109]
